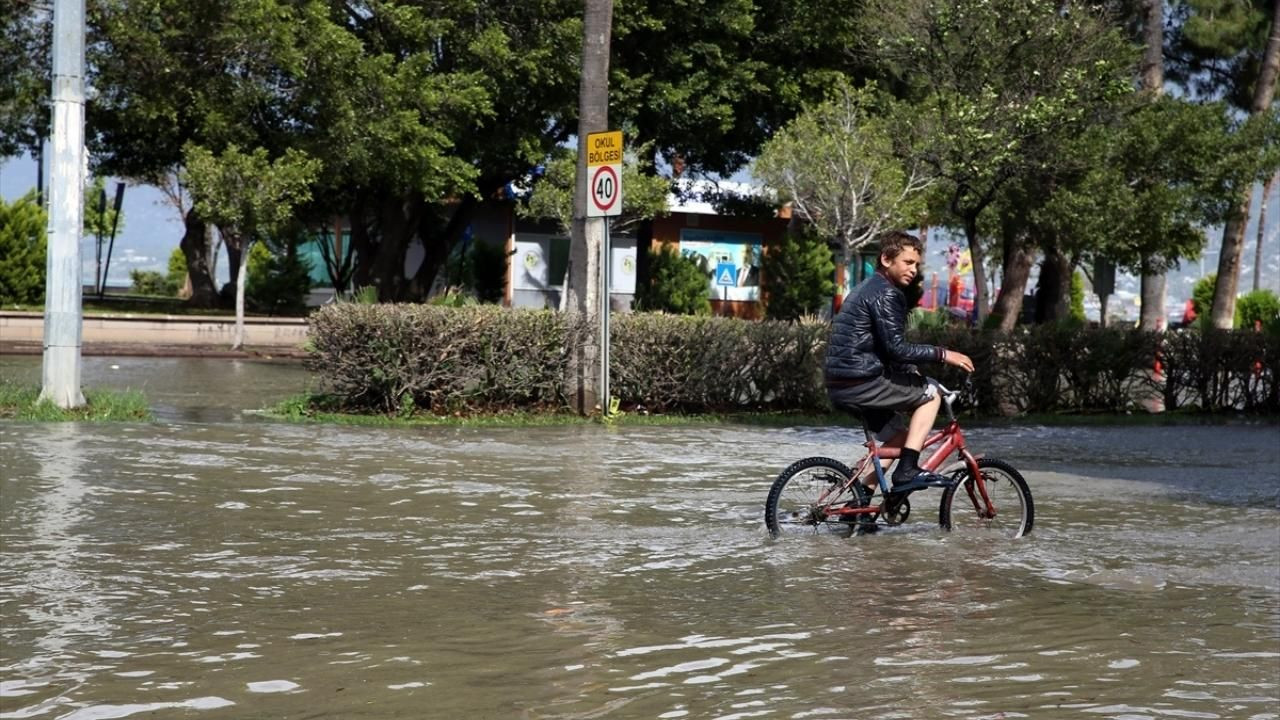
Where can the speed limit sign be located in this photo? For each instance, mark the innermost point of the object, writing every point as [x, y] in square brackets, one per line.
[604, 174]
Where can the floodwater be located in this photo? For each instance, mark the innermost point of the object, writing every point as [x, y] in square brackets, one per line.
[214, 565]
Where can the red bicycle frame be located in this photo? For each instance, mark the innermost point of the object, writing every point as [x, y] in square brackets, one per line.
[950, 439]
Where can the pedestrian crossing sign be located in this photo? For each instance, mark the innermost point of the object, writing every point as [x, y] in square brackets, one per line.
[726, 275]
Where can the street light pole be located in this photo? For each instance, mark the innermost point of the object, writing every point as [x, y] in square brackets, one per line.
[63, 284]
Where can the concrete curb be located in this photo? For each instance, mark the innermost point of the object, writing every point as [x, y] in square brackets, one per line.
[22, 333]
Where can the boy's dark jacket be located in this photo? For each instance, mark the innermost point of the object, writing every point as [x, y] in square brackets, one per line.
[870, 330]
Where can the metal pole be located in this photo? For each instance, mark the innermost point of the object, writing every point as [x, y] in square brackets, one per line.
[63, 284]
[605, 261]
[115, 223]
[97, 264]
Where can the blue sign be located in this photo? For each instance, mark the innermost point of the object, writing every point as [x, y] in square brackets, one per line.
[726, 275]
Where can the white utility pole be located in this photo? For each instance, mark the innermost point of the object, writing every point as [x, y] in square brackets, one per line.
[63, 284]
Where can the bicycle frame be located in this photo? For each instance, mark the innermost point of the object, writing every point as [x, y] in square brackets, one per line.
[950, 439]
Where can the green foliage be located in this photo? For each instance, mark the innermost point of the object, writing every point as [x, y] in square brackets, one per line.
[25, 42]
[278, 281]
[644, 196]
[177, 271]
[677, 284]
[998, 86]
[1077, 298]
[248, 196]
[798, 276]
[480, 270]
[99, 216]
[921, 319]
[23, 229]
[1258, 306]
[150, 282]
[1202, 294]
[385, 358]
[1138, 190]
[836, 163]
[399, 358]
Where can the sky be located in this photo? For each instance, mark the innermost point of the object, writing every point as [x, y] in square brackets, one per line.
[152, 229]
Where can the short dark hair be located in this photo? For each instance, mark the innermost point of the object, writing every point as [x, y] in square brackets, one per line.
[895, 241]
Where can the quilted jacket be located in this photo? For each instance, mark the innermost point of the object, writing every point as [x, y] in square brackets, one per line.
[869, 333]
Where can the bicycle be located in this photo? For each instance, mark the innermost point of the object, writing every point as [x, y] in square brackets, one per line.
[832, 498]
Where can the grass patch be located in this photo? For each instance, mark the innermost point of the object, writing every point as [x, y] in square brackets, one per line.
[21, 402]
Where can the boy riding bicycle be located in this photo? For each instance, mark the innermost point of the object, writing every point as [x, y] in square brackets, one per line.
[870, 367]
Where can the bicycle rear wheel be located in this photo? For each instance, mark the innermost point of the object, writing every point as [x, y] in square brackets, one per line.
[962, 508]
[804, 495]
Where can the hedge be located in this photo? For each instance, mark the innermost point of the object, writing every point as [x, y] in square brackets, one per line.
[397, 358]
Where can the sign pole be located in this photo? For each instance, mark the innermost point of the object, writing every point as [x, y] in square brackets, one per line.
[605, 260]
[604, 195]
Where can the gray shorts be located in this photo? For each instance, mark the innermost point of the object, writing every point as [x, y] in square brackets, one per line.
[879, 400]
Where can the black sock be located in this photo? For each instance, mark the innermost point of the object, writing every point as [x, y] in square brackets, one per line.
[907, 465]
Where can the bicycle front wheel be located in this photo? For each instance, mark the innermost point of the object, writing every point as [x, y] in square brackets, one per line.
[963, 508]
[804, 497]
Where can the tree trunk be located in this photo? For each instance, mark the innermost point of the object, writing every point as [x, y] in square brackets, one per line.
[1053, 296]
[1262, 232]
[1016, 268]
[242, 278]
[583, 282]
[1151, 317]
[979, 269]
[397, 224]
[437, 243]
[1224, 290]
[195, 248]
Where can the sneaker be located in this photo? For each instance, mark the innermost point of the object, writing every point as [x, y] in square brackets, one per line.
[920, 480]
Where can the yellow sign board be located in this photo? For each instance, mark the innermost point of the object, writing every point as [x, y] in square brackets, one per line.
[604, 148]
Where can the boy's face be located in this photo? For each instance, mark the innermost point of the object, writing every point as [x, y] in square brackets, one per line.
[902, 269]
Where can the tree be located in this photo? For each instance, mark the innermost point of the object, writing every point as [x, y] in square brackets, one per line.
[23, 228]
[417, 110]
[836, 164]
[551, 198]
[249, 197]
[1152, 291]
[798, 275]
[26, 38]
[678, 284]
[1261, 111]
[997, 82]
[1134, 190]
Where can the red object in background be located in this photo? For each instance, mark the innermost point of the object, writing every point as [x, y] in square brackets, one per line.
[954, 288]
[1188, 313]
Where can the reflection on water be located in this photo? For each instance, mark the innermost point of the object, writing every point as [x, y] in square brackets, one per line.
[234, 569]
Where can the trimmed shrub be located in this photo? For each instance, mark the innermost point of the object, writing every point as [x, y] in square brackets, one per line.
[150, 282]
[397, 358]
[23, 228]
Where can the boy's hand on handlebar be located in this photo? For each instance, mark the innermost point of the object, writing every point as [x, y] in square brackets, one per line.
[958, 359]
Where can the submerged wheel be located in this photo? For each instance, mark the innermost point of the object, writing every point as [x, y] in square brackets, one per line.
[962, 508]
[803, 496]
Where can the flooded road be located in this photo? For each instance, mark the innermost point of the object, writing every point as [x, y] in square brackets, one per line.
[210, 565]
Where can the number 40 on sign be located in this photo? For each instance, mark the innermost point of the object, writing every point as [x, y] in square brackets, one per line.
[604, 174]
